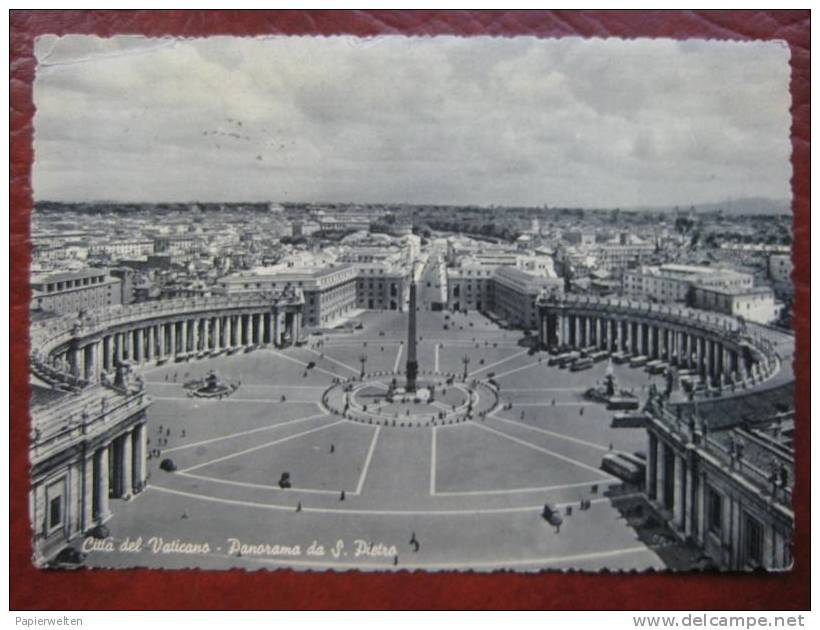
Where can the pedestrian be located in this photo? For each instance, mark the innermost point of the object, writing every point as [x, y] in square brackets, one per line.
[415, 543]
[299, 506]
[332, 448]
[342, 496]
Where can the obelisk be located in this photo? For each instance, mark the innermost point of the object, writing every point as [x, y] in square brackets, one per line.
[412, 362]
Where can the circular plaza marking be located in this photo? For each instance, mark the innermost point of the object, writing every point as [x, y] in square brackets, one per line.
[438, 400]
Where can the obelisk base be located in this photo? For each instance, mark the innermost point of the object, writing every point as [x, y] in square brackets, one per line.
[412, 371]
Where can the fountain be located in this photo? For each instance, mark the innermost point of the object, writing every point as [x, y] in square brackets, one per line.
[211, 387]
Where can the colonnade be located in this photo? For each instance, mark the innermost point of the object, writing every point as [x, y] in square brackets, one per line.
[715, 358]
[194, 336]
[114, 469]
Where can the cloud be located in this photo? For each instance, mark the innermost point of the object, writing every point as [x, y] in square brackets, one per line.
[395, 119]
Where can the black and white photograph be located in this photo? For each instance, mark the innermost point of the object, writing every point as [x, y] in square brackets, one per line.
[411, 304]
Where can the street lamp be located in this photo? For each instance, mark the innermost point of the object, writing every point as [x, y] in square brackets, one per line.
[363, 361]
[466, 361]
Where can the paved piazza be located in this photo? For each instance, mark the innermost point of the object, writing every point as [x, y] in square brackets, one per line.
[435, 493]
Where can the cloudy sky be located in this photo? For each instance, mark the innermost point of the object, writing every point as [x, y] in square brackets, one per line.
[595, 123]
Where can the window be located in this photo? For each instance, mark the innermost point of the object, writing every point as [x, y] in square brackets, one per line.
[752, 541]
[55, 512]
[715, 511]
[54, 506]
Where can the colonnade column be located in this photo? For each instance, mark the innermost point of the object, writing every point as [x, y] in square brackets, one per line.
[73, 361]
[677, 504]
[101, 483]
[87, 516]
[269, 328]
[138, 348]
[127, 470]
[139, 437]
[688, 495]
[150, 347]
[660, 476]
[195, 335]
[172, 339]
[652, 467]
[183, 337]
[109, 350]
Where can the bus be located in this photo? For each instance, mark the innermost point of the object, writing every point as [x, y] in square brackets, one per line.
[625, 403]
[623, 467]
[656, 367]
[565, 359]
[629, 420]
[601, 355]
[583, 363]
[620, 357]
[638, 361]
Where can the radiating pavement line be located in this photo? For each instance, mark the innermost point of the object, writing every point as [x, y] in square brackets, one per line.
[303, 364]
[487, 367]
[569, 460]
[552, 433]
[367, 460]
[398, 358]
[261, 446]
[332, 360]
[269, 427]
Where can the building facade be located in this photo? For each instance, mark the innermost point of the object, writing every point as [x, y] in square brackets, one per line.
[123, 249]
[471, 287]
[382, 287]
[754, 304]
[88, 450]
[673, 283]
[329, 292]
[780, 268]
[75, 291]
[724, 482]
[515, 295]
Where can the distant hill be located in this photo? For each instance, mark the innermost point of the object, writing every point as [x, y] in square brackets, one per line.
[744, 206]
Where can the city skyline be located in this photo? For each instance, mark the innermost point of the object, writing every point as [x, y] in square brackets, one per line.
[458, 121]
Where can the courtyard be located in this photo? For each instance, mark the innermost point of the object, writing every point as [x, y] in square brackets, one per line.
[443, 493]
